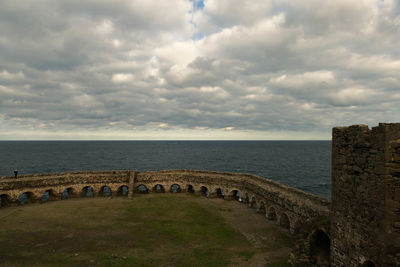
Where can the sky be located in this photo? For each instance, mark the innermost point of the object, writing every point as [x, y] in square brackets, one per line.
[196, 70]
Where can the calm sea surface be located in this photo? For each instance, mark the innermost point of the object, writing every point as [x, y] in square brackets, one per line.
[302, 164]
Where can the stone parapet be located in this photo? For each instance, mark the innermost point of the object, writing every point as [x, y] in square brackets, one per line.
[298, 206]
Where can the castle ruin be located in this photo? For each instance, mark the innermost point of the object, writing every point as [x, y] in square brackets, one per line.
[364, 211]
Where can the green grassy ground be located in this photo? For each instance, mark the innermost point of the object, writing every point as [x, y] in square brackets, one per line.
[151, 230]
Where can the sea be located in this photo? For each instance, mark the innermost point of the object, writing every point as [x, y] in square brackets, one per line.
[302, 164]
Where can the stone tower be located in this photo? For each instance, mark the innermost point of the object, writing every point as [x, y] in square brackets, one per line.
[365, 213]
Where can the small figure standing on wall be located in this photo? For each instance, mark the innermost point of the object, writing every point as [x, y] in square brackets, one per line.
[15, 173]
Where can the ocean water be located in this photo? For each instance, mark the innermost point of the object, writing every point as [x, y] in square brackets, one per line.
[302, 164]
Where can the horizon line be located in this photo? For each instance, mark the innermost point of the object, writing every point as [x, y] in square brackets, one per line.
[150, 140]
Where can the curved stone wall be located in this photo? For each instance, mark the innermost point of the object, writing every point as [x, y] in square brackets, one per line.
[291, 207]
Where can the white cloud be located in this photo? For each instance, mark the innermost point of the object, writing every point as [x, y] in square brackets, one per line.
[259, 69]
[5, 75]
[122, 78]
[6, 90]
[353, 96]
[305, 79]
[105, 27]
[219, 14]
[229, 128]
[163, 125]
[178, 52]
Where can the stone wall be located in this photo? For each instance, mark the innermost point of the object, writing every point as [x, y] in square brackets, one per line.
[291, 207]
[365, 212]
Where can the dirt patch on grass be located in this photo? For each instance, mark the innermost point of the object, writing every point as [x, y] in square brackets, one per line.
[273, 243]
[150, 230]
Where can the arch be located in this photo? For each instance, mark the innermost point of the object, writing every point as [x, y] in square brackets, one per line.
[25, 198]
[158, 188]
[67, 193]
[368, 264]
[271, 215]
[220, 193]
[261, 208]
[204, 191]
[175, 188]
[142, 189]
[320, 248]
[122, 190]
[4, 200]
[48, 195]
[105, 191]
[190, 188]
[45, 196]
[236, 195]
[87, 191]
[284, 221]
[253, 202]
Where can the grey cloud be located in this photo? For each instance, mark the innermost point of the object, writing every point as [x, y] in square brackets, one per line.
[95, 66]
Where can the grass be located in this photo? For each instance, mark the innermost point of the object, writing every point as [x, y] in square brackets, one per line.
[280, 263]
[151, 230]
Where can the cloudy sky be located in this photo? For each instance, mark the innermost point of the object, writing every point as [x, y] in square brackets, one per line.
[212, 69]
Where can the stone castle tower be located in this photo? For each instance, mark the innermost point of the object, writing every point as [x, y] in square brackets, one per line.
[365, 213]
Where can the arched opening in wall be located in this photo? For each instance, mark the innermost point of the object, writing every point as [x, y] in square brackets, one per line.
[235, 194]
[261, 208]
[48, 195]
[204, 191]
[158, 189]
[190, 188]
[67, 193]
[253, 203]
[105, 191]
[175, 188]
[284, 221]
[123, 191]
[220, 193]
[142, 189]
[271, 214]
[368, 264]
[87, 191]
[25, 198]
[45, 197]
[4, 200]
[320, 248]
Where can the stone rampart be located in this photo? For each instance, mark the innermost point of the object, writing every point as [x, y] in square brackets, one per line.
[291, 207]
[364, 213]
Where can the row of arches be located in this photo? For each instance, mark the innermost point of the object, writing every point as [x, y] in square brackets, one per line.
[270, 213]
[159, 188]
[105, 191]
[87, 191]
[175, 188]
[319, 240]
